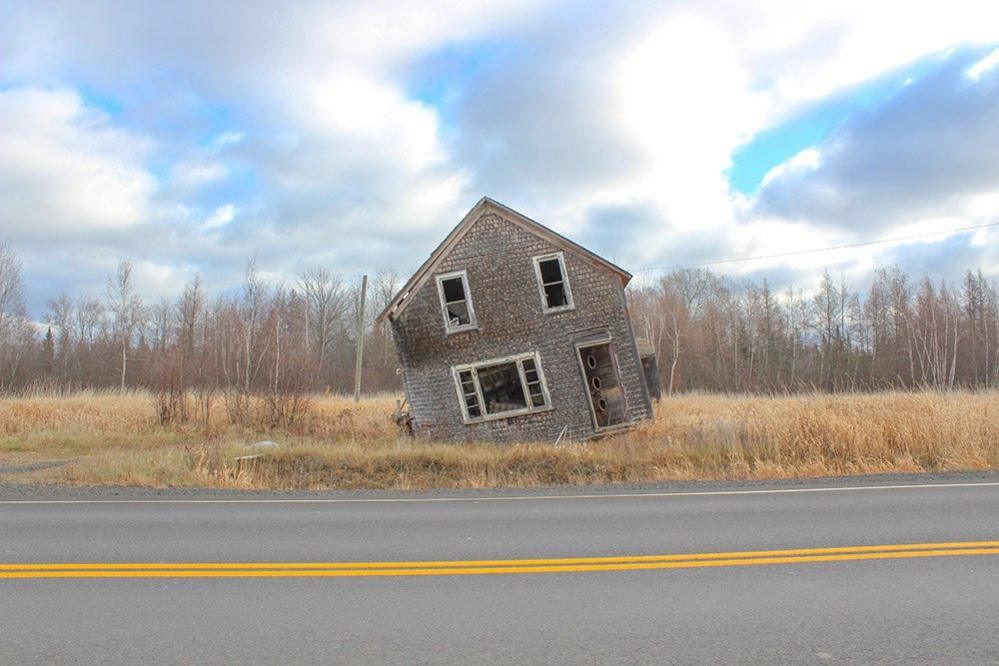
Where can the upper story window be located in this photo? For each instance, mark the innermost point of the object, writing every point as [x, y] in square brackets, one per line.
[456, 302]
[553, 282]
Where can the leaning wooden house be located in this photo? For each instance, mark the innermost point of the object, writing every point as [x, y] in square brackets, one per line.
[510, 331]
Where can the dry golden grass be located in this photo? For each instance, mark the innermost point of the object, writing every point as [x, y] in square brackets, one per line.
[115, 439]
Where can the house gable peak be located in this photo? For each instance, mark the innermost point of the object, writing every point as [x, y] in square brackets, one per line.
[401, 299]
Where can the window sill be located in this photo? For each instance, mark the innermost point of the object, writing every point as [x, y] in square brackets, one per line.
[508, 415]
[461, 329]
[564, 308]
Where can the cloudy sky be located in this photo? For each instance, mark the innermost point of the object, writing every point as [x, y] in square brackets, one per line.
[192, 136]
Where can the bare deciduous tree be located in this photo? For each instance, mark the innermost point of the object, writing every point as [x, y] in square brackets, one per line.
[12, 310]
[15, 330]
[126, 311]
[325, 304]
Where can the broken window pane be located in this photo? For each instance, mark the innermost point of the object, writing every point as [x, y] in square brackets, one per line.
[470, 395]
[457, 307]
[555, 295]
[454, 289]
[498, 389]
[501, 388]
[530, 373]
[551, 271]
[457, 313]
[533, 383]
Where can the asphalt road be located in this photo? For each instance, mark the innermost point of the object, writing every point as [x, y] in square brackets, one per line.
[942, 608]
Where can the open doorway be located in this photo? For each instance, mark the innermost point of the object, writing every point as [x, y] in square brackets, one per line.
[603, 385]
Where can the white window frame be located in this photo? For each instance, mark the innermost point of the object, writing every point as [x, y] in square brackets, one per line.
[560, 256]
[473, 323]
[518, 359]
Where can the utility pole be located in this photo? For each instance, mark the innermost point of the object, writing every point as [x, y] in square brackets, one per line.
[360, 339]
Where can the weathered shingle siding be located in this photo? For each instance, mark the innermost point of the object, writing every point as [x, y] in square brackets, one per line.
[498, 256]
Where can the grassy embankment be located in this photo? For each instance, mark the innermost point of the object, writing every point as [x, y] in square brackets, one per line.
[115, 439]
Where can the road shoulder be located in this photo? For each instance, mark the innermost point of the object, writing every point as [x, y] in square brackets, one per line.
[47, 492]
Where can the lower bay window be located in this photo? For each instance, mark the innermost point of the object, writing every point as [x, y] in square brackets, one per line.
[500, 388]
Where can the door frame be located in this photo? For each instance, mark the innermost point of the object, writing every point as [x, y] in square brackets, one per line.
[596, 342]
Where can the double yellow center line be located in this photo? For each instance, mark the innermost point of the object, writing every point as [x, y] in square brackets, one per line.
[482, 567]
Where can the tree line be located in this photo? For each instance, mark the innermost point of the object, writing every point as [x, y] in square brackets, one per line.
[261, 344]
[716, 333]
[274, 344]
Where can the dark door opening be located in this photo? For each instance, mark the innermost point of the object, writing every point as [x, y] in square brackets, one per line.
[603, 385]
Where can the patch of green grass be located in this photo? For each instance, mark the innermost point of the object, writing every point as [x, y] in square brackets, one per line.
[72, 442]
[13, 444]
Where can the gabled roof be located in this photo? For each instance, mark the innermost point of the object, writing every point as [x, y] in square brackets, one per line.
[401, 299]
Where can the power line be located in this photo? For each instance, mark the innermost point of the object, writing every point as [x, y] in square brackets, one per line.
[792, 253]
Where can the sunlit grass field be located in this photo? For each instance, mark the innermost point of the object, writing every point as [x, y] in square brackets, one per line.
[112, 438]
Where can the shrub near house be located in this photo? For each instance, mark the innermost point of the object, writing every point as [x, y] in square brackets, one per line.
[510, 331]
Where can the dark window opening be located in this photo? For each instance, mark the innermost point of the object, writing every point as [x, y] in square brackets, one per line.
[457, 314]
[551, 273]
[555, 295]
[501, 388]
[469, 394]
[457, 307]
[533, 383]
[454, 289]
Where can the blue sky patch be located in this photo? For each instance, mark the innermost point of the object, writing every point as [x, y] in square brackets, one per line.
[94, 98]
[439, 79]
[752, 160]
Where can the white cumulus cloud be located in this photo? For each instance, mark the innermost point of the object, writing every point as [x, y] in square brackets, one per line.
[65, 171]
